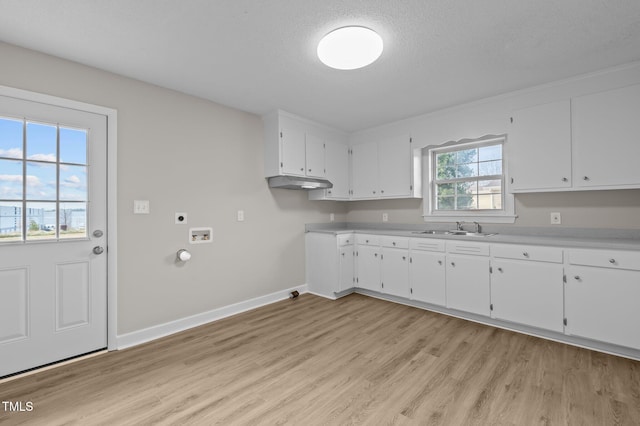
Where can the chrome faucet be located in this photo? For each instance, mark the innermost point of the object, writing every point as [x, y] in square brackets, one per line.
[459, 226]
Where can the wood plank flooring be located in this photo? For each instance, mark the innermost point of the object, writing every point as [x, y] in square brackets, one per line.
[358, 360]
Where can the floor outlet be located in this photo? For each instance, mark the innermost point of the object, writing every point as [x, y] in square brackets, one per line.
[556, 218]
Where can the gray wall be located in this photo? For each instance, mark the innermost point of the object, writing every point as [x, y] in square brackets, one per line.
[184, 154]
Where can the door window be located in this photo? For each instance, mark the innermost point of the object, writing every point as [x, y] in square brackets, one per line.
[43, 181]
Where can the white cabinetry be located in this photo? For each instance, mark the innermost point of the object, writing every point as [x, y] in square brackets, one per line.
[297, 147]
[527, 285]
[364, 171]
[384, 169]
[606, 138]
[427, 271]
[467, 273]
[329, 263]
[602, 294]
[395, 266]
[539, 148]
[368, 262]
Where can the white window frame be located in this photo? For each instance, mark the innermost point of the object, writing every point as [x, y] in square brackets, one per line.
[430, 214]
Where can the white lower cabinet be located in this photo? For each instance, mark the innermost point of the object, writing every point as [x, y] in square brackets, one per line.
[395, 266]
[368, 262]
[427, 271]
[468, 283]
[329, 263]
[601, 296]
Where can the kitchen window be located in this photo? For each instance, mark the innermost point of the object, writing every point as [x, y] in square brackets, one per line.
[467, 182]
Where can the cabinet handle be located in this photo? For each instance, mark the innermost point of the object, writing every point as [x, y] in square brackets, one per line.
[394, 243]
[329, 191]
[525, 254]
[374, 192]
[404, 258]
[309, 169]
[577, 278]
[585, 178]
[612, 261]
[453, 264]
[564, 179]
[302, 169]
[367, 241]
[342, 254]
[439, 262]
[375, 254]
[347, 241]
[499, 269]
[382, 191]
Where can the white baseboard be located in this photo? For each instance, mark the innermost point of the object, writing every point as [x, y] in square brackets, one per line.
[145, 335]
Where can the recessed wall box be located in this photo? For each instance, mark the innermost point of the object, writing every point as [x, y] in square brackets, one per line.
[200, 235]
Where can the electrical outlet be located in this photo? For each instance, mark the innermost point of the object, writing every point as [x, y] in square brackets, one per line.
[385, 217]
[556, 218]
[332, 217]
[240, 216]
[140, 206]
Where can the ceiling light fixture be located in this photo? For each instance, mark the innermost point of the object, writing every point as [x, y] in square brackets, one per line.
[350, 48]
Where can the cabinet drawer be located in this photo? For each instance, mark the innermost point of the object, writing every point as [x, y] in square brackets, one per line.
[466, 247]
[345, 240]
[368, 240]
[426, 244]
[605, 258]
[536, 253]
[394, 242]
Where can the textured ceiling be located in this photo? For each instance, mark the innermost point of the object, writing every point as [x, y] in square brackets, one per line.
[260, 55]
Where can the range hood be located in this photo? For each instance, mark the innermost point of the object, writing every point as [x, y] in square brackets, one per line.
[297, 182]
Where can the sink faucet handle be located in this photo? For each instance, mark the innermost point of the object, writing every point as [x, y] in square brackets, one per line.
[477, 227]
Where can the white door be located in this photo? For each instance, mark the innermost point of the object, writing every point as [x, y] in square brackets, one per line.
[468, 283]
[395, 272]
[53, 260]
[427, 277]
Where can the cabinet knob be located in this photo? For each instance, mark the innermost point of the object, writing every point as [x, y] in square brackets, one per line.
[564, 179]
[367, 241]
[585, 178]
[500, 270]
[453, 264]
[342, 254]
[309, 169]
[375, 254]
[394, 243]
[525, 254]
[577, 278]
[374, 192]
[329, 191]
[347, 241]
[404, 258]
[382, 191]
[439, 262]
[612, 261]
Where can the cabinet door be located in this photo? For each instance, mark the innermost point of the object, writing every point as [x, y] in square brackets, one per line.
[606, 130]
[468, 283]
[346, 268]
[427, 277]
[394, 161]
[368, 264]
[528, 293]
[602, 304]
[395, 272]
[315, 156]
[364, 171]
[539, 147]
[337, 166]
[292, 151]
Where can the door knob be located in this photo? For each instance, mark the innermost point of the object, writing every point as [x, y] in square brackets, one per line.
[98, 250]
[98, 233]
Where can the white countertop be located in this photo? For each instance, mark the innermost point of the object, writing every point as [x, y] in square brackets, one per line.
[501, 238]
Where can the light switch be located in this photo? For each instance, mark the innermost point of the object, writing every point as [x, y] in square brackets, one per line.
[141, 206]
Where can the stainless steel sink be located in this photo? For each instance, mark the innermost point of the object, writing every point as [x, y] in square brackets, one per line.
[454, 232]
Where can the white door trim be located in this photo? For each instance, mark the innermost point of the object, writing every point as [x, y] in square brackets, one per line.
[112, 199]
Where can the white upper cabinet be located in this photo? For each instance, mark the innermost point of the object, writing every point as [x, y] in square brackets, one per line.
[337, 172]
[364, 171]
[314, 156]
[384, 169]
[297, 147]
[587, 142]
[394, 162]
[292, 151]
[606, 138]
[539, 148]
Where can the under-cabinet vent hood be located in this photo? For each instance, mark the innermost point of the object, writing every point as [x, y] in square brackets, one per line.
[296, 182]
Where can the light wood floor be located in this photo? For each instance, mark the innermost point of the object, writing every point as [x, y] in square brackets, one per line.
[357, 360]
